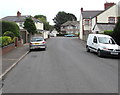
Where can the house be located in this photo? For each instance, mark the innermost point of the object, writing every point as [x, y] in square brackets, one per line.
[19, 19]
[70, 27]
[54, 32]
[98, 21]
[46, 34]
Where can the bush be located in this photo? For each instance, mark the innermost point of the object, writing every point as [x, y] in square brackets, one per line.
[9, 33]
[108, 32]
[5, 40]
[116, 33]
[10, 26]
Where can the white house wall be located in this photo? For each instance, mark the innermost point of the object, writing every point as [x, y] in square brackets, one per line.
[118, 8]
[39, 26]
[81, 27]
[86, 27]
[111, 12]
[93, 22]
[46, 34]
[19, 24]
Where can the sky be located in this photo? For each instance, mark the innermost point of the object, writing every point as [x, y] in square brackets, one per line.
[49, 8]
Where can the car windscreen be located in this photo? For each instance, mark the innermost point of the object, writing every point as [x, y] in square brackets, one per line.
[106, 40]
[36, 39]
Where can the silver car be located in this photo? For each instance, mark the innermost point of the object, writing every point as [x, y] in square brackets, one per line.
[37, 43]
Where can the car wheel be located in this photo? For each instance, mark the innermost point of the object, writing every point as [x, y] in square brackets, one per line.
[44, 49]
[29, 50]
[87, 49]
[99, 53]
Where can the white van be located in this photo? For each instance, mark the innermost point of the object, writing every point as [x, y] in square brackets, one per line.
[102, 44]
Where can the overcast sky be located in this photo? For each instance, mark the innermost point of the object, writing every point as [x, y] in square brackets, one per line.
[49, 8]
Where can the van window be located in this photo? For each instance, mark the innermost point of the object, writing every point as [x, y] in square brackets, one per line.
[106, 40]
[95, 39]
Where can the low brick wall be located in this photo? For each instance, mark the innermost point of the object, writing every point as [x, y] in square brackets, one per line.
[7, 49]
[19, 43]
[10, 47]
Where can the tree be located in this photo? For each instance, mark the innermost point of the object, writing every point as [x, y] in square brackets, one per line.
[43, 19]
[116, 33]
[10, 26]
[61, 18]
[29, 25]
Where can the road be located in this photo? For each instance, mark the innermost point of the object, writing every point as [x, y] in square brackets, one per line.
[65, 67]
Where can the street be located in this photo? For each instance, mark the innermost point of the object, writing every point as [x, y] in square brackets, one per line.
[65, 67]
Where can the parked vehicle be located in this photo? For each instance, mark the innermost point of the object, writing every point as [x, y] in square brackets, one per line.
[52, 35]
[37, 43]
[103, 45]
[69, 35]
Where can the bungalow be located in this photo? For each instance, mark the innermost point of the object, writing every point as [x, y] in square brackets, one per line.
[70, 27]
[19, 19]
[98, 21]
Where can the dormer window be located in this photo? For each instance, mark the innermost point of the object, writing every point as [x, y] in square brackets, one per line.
[111, 19]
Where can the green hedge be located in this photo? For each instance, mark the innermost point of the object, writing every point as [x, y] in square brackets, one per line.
[108, 32]
[5, 40]
[10, 26]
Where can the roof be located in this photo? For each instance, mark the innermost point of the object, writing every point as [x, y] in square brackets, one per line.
[19, 18]
[15, 18]
[90, 14]
[105, 26]
[73, 23]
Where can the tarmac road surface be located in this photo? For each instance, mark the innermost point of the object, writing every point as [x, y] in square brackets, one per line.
[65, 67]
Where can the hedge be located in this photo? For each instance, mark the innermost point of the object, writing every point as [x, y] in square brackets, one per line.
[10, 26]
[108, 32]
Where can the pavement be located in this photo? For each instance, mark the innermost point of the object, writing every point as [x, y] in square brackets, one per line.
[11, 59]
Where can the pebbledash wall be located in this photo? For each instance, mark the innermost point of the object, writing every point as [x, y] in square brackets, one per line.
[119, 8]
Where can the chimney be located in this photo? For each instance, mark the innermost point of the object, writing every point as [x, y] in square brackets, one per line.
[81, 9]
[108, 5]
[18, 14]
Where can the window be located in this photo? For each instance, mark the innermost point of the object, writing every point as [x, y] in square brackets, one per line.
[106, 40]
[21, 24]
[95, 39]
[87, 22]
[111, 19]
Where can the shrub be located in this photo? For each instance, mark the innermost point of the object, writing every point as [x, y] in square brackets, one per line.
[5, 40]
[9, 33]
[108, 32]
[116, 33]
[0, 41]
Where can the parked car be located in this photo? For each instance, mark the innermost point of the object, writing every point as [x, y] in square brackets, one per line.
[69, 35]
[52, 35]
[103, 45]
[37, 43]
